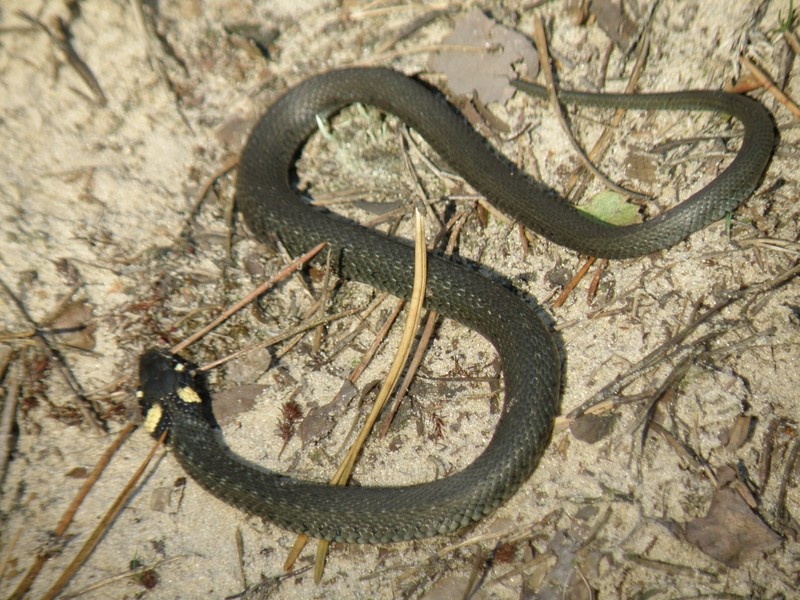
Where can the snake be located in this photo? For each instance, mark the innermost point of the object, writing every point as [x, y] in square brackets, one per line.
[173, 394]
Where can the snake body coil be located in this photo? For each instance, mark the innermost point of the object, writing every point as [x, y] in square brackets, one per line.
[531, 363]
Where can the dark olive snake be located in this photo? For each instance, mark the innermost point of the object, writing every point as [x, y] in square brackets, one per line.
[173, 399]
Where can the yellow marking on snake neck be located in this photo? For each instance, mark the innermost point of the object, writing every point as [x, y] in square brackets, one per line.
[153, 418]
[189, 396]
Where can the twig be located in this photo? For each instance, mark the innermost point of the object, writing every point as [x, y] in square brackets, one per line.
[409, 29]
[155, 62]
[111, 514]
[786, 480]
[83, 404]
[411, 371]
[541, 45]
[281, 337]
[66, 519]
[413, 317]
[575, 280]
[61, 40]
[8, 551]
[322, 304]
[791, 39]
[285, 272]
[7, 420]
[672, 345]
[764, 80]
[605, 138]
[121, 576]
[346, 339]
[225, 168]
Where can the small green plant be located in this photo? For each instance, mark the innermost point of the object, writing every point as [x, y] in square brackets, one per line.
[786, 23]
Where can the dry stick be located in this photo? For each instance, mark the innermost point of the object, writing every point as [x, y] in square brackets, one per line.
[657, 356]
[226, 167]
[9, 551]
[367, 12]
[454, 225]
[155, 63]
[375, 59]
[511, 535]
[84, 406]
[430, 321]
[591, 293]
[684, 452]
[376, 343]
[302, 539]
[345, 340]
[604, 141]
[791, 460]
[281, 337]
[791, 39]
[322, 304]
[91, 543]
[764, 80]
[547, 71]
[562, 297]
[540, 39]
[7, 419]
[410, 28]
[60, 39]
[290, 268]
[675, 376]
[69, 514]
[413, 367]
[122, 576]
[403, 350]
[776, 245]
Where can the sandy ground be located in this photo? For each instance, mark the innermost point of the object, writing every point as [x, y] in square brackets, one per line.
[93, 198]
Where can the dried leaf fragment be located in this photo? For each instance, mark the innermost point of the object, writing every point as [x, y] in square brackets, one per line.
[229, 403]
[612, 18]
[731, 532]
[592, 428]
[74, 327]
[483, 58]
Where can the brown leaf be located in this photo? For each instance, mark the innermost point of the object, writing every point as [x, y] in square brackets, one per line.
[235, 400]
[487, 69]
[592, 428]
[614, 21]
[731, 532]
[320, 420]
[739, 433]
[74, 327]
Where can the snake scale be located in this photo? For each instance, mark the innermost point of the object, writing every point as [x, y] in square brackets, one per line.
[530, 361]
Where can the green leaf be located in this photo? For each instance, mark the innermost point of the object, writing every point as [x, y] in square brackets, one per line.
[611, 208]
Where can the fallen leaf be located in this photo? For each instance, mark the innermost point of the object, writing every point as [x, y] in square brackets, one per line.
[320, 420]
[611, 208]
[615, 22]
[487, 69]
[739, 433]
[641, 167]
[731, 532]
[73, 325]
[592, 428]
[235, 400]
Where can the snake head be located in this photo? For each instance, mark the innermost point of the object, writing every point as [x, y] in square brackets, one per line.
[167, 383]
